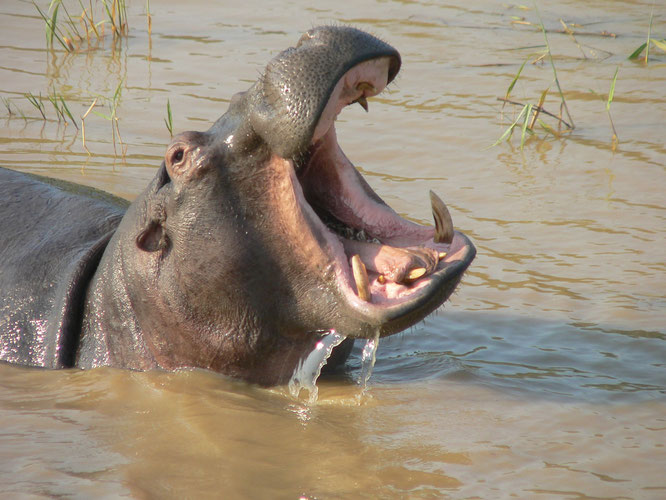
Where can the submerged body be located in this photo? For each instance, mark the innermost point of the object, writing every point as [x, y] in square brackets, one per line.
[253, 239]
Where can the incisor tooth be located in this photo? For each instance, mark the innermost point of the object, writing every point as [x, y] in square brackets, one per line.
[415, 273]
[443, 222]
[363, 102]
[361, 278]
[441, 255]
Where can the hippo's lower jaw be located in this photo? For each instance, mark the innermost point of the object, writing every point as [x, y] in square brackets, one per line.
[390, 272]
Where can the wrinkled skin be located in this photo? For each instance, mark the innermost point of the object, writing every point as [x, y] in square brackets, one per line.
[236, 257]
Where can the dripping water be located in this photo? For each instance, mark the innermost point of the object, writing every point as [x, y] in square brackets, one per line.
[306, 374]
[368, 358]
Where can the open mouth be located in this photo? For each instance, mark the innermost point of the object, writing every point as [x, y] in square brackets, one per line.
[390, 269]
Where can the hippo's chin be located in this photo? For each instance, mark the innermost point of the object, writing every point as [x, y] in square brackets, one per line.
[389, 271]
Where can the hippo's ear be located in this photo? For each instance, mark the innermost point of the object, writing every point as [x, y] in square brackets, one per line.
[153, 238]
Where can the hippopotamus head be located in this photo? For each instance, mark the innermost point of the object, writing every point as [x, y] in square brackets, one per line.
[259, 234]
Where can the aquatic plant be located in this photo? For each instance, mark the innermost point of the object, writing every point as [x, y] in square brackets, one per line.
[112, 117]
[645, 46]
[71, 31]
[529, 114]
[168, 121]
[36, 102]
[609, 101]
[6, 102]
[83, 125]
[149, 18]
[61, 108]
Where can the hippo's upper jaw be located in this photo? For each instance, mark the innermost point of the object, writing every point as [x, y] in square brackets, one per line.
[242, 246]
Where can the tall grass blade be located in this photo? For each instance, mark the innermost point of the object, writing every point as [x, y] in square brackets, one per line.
[515, 79]
[5, 101]
[53, 99]
[65, 108]
[660, 43]
[168, 121]
[647, 44]
[552, 64]
[524, 130]
[50, 28]
[611, 92]
[509, 131]
[637, 52]
[150, 19]
[37, 103]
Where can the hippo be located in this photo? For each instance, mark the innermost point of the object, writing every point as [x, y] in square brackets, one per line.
[253, 240]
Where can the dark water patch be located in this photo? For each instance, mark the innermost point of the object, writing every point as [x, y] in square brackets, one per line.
[526, 356]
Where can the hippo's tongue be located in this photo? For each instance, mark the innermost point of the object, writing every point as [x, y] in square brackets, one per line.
[391, 248]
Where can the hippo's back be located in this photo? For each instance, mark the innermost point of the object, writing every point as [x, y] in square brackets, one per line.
[51, 240]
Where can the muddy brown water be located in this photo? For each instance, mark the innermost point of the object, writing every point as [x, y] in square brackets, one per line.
[545, 375]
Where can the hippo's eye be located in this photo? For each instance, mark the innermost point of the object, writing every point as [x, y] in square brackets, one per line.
[177, 156]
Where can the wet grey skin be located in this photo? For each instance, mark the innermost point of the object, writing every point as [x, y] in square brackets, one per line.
[232, 259]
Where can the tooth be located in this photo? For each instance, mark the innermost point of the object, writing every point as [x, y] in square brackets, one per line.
[361, 278]
[415, 273]
[363, 102]
[362, 87]
[441, 255]
[443, 222]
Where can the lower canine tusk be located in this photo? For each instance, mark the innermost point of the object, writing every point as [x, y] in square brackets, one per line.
[361, 278]
[443, 222]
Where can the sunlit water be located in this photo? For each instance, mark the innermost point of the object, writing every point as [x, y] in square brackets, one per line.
[544, 377]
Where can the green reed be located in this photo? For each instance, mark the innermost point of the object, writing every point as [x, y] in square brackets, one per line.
[111, 117]
[71, 31]
[36, 102]
[529, 114]
[168, 121]
[7, 104]
[645, 46]
[61, 108]
[608, 101]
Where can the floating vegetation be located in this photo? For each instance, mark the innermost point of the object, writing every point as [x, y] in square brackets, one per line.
[72, 31]
[645, 46]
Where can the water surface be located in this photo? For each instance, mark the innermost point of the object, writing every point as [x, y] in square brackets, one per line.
[543, 377]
